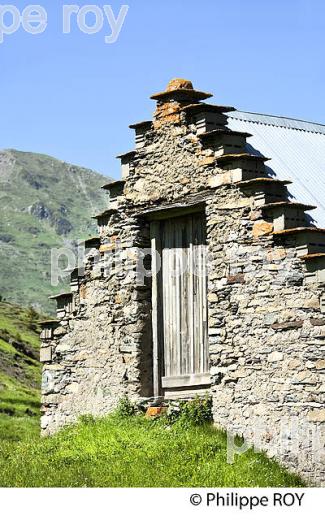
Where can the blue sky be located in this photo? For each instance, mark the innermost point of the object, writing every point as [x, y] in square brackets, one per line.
[73, 96]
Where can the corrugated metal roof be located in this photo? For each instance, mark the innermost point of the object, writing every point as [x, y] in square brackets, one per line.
[297, 151]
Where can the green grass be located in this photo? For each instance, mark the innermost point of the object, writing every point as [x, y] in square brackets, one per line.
[132, 452]
[17, 400]
[17, 429]
[20, 370]
[20, 323]
[6, 347]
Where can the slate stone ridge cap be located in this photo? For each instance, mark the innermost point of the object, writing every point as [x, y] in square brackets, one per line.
[261, 180]
[289, 203]
[105, 213]
[60, 295]
[113, 184]
[225, 130]
[131, 153]
[292, 231]
[206, 107]
[186, 92]
[49, 322]
[312, 256]
[141, 124]
[234, 156]
[91, 241]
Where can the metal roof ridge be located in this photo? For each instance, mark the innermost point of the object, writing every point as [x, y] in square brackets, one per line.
[305, 126]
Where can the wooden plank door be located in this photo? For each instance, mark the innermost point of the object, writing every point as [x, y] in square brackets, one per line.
[180, 304]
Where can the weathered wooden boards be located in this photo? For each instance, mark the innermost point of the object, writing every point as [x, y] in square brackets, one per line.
[180, 301]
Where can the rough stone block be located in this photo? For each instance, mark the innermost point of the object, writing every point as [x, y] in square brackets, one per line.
[45, 354]
[207, 161]
[59, 331]
[275, 356]
[317, 322]
[276, 254]
[317, 416]
[287, 325]
[262, 228]
[73, 388]
[154, 411]
[236, 278]
[312, 303]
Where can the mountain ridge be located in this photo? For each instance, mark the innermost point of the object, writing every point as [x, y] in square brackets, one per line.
[45, 203]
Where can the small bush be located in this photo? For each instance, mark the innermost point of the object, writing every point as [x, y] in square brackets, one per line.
[125, 408]
[195, 412]
[87, 419]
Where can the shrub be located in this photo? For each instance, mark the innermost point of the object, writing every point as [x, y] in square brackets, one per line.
[87, 419]
[194, 412]
[125, 407]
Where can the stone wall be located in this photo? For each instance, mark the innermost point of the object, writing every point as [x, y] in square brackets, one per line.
[267, 347]
[100, 351]
[266, 325]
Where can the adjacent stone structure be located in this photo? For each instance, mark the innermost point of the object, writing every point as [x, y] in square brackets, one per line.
[265, 333]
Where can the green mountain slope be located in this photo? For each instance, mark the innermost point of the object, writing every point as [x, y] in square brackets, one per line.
[44, 203]
[20, 370]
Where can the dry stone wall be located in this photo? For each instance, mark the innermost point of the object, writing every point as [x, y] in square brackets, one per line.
[266, 316]
[266, 340]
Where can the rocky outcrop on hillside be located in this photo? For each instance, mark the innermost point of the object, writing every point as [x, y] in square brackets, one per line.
[44, 203]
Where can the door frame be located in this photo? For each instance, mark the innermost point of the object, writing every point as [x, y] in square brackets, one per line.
[155, 218]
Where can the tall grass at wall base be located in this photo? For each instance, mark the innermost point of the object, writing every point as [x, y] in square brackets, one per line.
[134, 452]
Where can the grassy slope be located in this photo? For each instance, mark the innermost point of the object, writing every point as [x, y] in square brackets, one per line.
[135, 452]
[44, 203]
[20, 372]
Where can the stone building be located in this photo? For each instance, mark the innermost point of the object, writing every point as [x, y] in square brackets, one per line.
[206, 277]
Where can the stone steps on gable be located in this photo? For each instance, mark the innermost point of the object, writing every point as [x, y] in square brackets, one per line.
[265, 190]
[287, 214]
[306, 240]
[64, 304]
[243, 166]
[223, 141]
